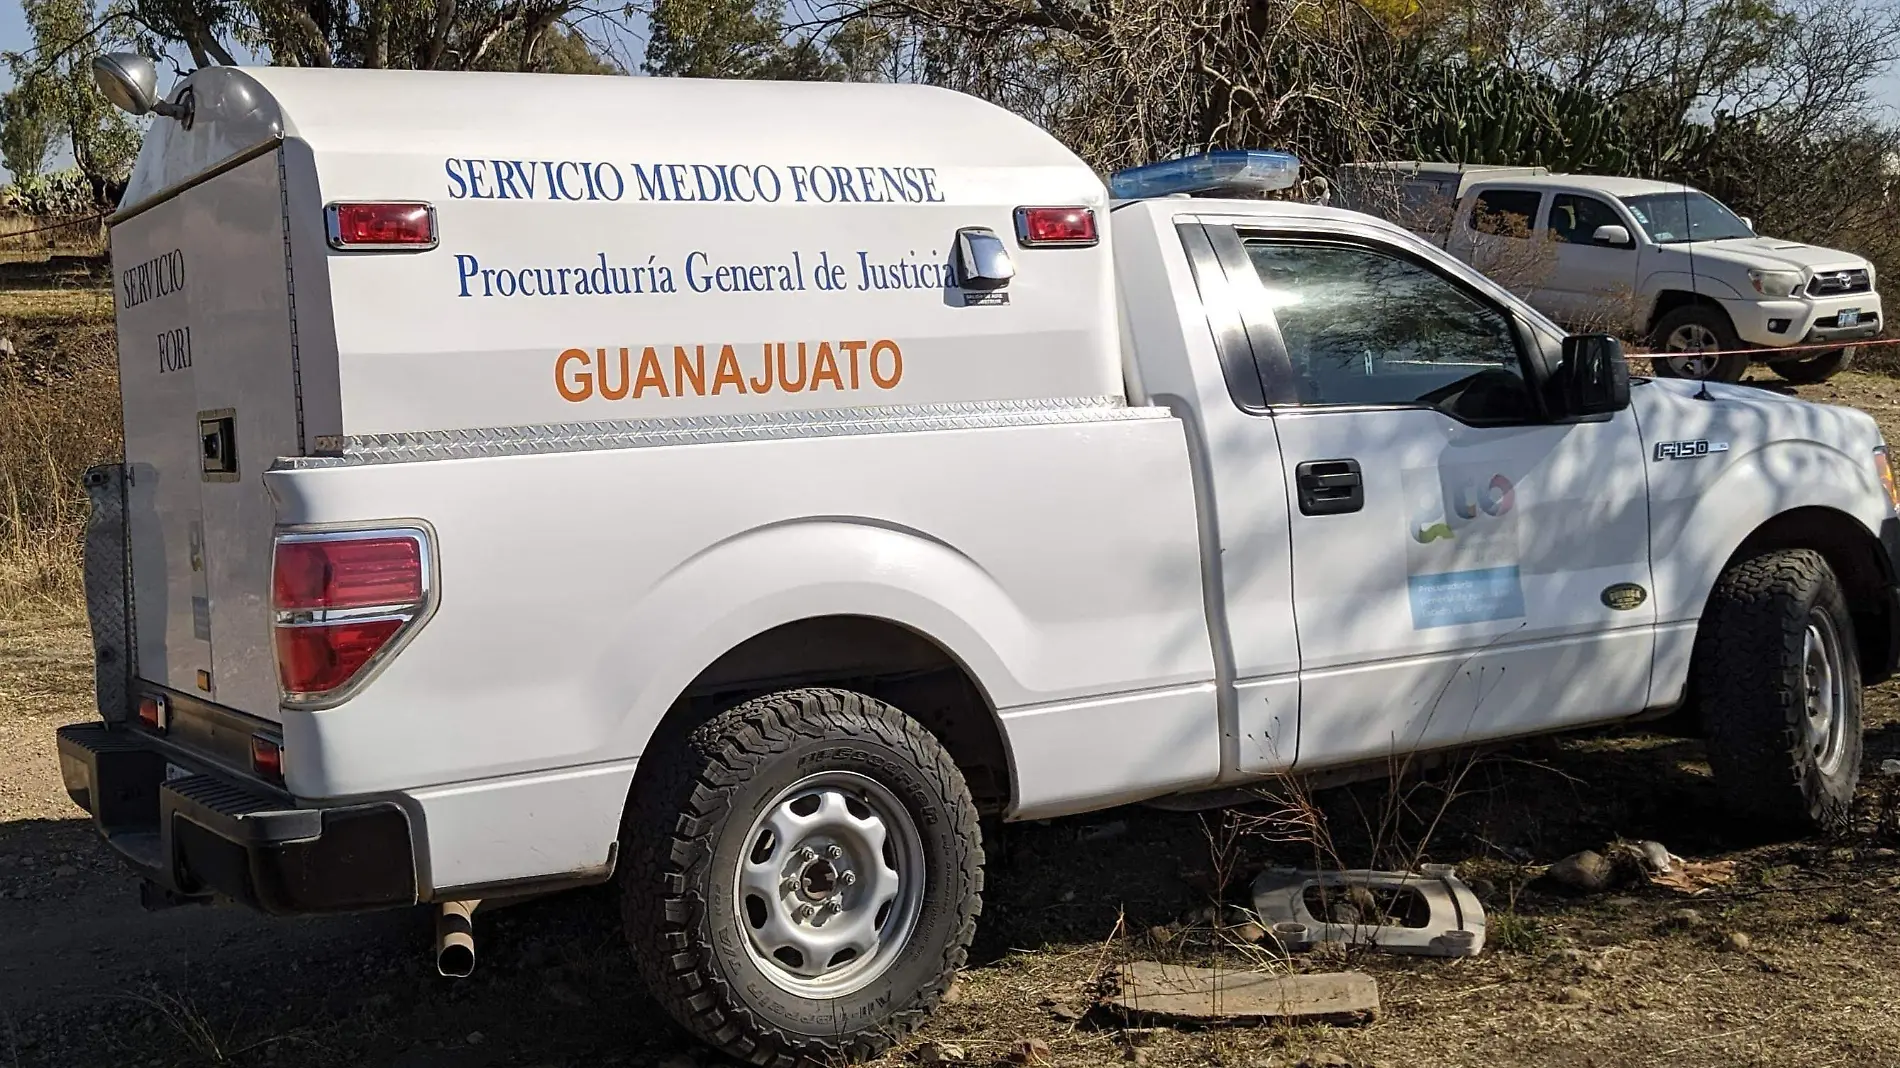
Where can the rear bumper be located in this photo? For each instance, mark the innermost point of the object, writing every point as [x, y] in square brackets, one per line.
[206, 834]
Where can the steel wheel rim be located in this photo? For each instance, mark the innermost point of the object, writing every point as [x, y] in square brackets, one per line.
[1692, 338]
[1825, 719]
[830, 885]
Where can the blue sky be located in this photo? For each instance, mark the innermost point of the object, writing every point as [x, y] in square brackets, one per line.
[14, 37]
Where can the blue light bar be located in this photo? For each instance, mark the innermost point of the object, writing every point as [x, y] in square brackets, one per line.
[1231, 170]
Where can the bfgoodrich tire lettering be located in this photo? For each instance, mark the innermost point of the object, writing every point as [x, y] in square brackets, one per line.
[1776, 644]
[693, 824]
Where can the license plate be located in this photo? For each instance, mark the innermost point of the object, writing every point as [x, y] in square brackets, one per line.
[173, 773]
[1849, 317]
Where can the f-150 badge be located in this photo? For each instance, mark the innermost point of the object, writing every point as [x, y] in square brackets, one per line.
[1688, 450]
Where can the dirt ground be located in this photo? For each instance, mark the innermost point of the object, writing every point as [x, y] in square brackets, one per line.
[1628, 978]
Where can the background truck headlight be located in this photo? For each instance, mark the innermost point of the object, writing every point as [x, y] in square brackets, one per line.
[1776, 283]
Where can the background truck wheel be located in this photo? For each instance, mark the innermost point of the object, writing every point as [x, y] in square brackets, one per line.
[1812, 369]
[1780, 689]
[1683, 335]
[802, 878]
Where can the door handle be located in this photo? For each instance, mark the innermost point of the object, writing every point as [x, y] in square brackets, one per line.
[1330, 487]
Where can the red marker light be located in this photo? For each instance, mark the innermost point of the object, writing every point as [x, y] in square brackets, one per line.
[267, 759]
[400, 225]
[1055, 227]
[152, 712]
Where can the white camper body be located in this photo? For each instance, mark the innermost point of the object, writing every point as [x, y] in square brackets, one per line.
[735, 488]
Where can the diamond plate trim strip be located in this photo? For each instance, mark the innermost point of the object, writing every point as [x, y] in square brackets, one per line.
[108, 577]
[704, 430]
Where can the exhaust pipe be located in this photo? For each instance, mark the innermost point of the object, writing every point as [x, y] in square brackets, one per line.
[455, 938]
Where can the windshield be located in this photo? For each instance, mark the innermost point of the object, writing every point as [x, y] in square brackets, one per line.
[1672, 218]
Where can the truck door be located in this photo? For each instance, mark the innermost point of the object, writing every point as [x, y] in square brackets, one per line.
[1463, 569]
[1592, 284]
[210, 399]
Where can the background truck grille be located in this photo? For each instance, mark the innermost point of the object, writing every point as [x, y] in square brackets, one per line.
[1835, 283]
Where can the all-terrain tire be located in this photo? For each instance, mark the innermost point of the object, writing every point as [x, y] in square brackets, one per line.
[1813, 369]
[1751, 660]
[694, 806]
[1715, 330]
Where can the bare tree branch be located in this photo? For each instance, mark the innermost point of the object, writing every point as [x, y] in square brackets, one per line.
[314, 39]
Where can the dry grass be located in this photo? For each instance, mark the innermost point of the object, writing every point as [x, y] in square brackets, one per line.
[26, 237]
[59, 414]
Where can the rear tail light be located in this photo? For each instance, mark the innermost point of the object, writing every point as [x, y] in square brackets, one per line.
[343, 602]
[1056, 227]
[405, 225]
[153, 712]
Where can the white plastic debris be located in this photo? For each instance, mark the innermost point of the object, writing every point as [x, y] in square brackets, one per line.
[1454, 925]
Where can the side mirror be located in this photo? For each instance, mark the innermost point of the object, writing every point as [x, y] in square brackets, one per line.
[1619, 236]
[982, 260]
[1748, 224]
[1593, 378]
[128, 80]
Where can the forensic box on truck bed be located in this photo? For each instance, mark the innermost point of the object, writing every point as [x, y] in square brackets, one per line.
[733, 490]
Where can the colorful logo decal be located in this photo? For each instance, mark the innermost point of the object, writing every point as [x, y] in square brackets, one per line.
[1463, 505]
[1498, 497]
[1426, 533]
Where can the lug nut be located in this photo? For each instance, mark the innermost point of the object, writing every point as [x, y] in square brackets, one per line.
[807, 855]
[848, 878]
[788, 884]
[834, 852]
[834, 905]
[802, 912]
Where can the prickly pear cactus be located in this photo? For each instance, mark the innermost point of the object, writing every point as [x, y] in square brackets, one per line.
[1489, 114]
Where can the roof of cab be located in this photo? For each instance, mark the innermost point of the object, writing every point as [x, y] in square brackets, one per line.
[1609, 185]
[1294, 210]
[616, 118]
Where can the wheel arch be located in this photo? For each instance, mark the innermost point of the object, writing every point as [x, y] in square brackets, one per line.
[1859, 563]
[832, 601]
[1674, 290]
[878, 657]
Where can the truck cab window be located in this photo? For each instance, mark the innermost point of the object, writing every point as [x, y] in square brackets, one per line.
[1574, 219]
[1362, 327]
[1505, 212]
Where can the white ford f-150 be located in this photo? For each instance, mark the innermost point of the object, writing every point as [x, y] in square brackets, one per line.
[734, 490]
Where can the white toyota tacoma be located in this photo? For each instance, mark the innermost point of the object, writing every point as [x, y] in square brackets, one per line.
[733, 491]
[1677, 265]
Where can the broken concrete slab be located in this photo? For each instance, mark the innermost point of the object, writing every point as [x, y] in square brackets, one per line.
[1452, 927]
[1178, 991]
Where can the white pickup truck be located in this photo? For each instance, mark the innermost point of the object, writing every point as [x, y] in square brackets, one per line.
[735, 490]
[1674, 264]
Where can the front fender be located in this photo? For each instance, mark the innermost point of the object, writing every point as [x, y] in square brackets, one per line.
[1704, 285]
[1697, 522]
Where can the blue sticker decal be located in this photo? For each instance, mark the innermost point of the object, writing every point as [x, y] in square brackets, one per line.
[1452, 597]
